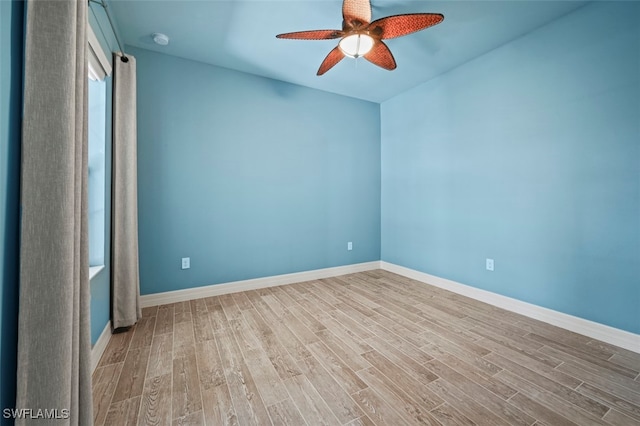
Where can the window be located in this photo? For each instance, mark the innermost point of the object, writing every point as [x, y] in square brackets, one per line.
[99, 69]
[97, 132]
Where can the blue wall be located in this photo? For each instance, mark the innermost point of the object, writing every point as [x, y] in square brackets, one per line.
[249, 177]
[529, 155]
[11, 33]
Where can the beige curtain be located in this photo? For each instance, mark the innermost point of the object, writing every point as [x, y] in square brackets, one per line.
[125, 278]
[54, 343]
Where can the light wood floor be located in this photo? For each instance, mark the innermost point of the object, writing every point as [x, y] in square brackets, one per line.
[361, 349]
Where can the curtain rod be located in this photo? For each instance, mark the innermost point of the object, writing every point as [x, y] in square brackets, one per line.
[123, 58]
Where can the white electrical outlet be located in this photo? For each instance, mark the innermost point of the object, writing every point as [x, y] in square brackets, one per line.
[186, 262]
[489, 264]
[349, 245]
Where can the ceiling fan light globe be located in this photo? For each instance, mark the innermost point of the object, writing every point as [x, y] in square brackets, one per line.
[356, 45]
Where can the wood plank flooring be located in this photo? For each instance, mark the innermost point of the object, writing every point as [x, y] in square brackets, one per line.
[360, 349]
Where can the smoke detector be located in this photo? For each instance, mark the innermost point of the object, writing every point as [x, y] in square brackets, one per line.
[160, 39]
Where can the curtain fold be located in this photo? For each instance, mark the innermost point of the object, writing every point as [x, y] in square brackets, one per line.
[54, 341]
[125, 279]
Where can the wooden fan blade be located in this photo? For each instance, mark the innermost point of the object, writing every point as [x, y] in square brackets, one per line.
[356, 10]
[381, 56]
[400, 25]
[312, 35]
[332, 58]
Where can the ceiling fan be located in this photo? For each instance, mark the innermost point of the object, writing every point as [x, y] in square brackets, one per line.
[361, 37]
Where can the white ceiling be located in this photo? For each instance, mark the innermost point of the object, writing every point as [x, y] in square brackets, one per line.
[241, 34]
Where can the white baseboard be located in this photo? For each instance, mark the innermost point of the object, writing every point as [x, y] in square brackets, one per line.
[614, 336]
[605, 333]
[100, 346]
[253, 284]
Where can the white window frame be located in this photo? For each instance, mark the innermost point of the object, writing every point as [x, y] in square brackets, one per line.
[99, 66]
